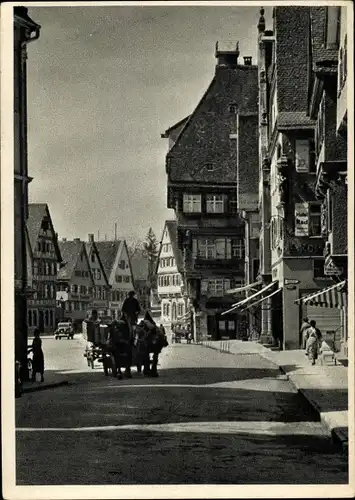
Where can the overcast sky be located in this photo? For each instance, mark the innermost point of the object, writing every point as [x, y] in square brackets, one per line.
[103, 84]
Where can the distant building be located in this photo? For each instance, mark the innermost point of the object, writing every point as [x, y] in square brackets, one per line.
[101, 289]
[76, 280]
[25, 32]
[212, 168]
[140, 271]
[170, 282]
[43, 260]
[116, 263]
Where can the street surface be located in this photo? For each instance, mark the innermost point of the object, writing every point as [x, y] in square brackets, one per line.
[210, 418]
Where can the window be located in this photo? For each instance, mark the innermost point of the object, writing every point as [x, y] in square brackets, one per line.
[126, 279]
[218, 286]
[93, 257]
[74, 288]
[79, 288]
[302, 155]
[207, 249]
[98, 292]
[122, 264]
[192, 203]
[233, 108]
[35, 268]
[98, 274]
[238, 248]
[319, 137]
[315, 227]
[215, 203]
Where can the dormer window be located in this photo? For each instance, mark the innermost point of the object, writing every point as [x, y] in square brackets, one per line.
[209, 167]
[233, 108]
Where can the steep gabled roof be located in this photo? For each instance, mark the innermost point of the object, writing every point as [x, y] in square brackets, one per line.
[139, 265]
[36, 214]
[92, 245]
[171, 226]
[70, 251]
[167, 132]
[190, 117]
[108, 252]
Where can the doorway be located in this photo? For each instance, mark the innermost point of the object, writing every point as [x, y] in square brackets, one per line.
[226, 327]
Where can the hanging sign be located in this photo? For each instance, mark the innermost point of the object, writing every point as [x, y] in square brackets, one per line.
[301, 219]
[288, 281]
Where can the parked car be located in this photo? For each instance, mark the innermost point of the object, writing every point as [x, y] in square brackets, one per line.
[64, 329]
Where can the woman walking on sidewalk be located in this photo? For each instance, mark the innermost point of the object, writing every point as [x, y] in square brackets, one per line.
[313, 342]
[38, 357]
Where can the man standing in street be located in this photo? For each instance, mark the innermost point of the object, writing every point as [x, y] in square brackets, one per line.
[131, 310]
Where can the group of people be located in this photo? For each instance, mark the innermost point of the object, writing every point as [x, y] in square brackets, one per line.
[130, 343]
[311, 339]
[181, 332]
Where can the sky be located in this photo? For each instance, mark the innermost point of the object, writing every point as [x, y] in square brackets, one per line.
[103, 84]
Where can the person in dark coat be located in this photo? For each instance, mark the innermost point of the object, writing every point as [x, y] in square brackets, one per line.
[38, 357]
[119, 343]
[131, 310]
[304, 332]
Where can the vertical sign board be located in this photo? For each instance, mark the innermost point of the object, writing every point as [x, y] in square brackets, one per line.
[301, 219]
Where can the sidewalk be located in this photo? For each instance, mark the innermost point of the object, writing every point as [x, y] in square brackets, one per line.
[325, 387]
[51, 380]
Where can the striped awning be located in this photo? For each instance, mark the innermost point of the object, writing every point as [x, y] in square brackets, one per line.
[334, 296]
[243, 302]
[262, 299]
[244, 288]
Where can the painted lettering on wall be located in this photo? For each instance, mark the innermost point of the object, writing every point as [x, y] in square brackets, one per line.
[301, 219]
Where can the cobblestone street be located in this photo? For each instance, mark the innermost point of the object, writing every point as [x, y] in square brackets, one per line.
[209, 418]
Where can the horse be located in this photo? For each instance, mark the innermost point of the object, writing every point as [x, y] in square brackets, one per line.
[119, 344]
[149, 340]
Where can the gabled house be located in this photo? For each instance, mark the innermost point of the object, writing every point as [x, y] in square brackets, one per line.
[116, 263]
[170, 281]
[75, 278]
[212, 170]
[101, 290]
[43, 260]
[140, 271]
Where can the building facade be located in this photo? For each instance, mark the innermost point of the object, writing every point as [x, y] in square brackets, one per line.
[291, 239]
[206, 160]
[101, 289]
[43, 261]
[173, 303]
[116, 262]
[140, 270]
[25, 32]
[75, 282]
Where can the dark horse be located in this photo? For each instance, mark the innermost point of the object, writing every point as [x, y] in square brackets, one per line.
[119, 345]
[149, 339]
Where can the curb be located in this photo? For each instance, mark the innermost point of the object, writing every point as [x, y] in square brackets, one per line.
[339, 437]
[44, 387]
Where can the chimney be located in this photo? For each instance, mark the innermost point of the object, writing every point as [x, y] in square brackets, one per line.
[227, 54]
[247, 60]
[91, 238]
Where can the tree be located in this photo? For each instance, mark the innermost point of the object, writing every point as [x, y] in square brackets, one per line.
[134, 247]
[151, 250]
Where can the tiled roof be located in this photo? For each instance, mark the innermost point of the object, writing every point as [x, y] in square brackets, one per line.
[320, 52]
[171, 226]
[36, 212]
[139, 265]
[294, 119]
[70, 251]
[173, 127]
[108, 251]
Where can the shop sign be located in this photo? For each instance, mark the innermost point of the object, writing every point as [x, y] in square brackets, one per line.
[301, 219]
[330, 269]
[288, 281]
[296, 248]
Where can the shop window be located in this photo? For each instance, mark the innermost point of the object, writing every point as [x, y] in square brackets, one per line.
[215, 203]
[192, 203]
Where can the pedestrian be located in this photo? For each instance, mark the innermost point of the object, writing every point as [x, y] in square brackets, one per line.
[131, 310]
[313, 342]
[38, 357]
[304, 328]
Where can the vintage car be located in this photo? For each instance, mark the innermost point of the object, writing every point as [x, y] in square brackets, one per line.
[64, 329]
